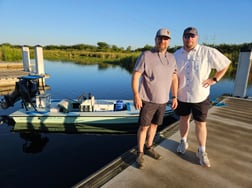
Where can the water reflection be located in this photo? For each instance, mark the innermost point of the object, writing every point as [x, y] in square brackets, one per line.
[34, 142]
[69, 80]
[71, 156]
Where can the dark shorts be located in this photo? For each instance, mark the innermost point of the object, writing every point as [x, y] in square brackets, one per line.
[151, 113]
[199, 110]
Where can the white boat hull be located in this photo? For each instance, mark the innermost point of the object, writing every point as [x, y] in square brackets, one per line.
[75, 118]
[47, 119]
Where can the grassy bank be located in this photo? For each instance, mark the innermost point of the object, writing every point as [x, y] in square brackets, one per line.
[106, 55]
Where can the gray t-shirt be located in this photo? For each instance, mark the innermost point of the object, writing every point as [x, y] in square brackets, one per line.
[157, 74]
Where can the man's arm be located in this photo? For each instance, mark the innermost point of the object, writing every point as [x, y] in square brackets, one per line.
[135, 86]
[221, 73]
[218, 75]
[174, 91]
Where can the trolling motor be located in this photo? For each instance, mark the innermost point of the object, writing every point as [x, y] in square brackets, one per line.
[25, 89]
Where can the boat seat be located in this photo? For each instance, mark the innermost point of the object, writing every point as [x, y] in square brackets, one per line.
[64, 106]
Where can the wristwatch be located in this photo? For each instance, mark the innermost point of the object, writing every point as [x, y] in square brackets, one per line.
[215, 79]
[174, 97]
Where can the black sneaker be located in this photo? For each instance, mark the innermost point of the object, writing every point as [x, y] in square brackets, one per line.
[152, 153]
[140, 160]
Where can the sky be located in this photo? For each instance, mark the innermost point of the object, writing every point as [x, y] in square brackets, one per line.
[124, 23]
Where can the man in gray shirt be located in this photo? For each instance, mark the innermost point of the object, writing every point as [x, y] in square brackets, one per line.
[157, 70]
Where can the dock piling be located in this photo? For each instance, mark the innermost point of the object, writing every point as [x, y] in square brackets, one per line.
[39, 60]
[26, 59]
[242, 73]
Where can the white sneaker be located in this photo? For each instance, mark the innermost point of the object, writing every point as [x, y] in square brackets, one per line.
[182, 147]
[204, 161]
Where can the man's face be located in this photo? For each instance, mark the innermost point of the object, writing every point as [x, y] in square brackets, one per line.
[190, 41]
[162, 43]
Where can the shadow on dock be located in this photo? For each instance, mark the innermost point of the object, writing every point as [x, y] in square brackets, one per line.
[228, 146]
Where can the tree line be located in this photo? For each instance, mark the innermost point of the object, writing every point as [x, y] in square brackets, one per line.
[105, 54]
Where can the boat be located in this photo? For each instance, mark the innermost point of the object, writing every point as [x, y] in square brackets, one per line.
[84, 114]
[89, 115]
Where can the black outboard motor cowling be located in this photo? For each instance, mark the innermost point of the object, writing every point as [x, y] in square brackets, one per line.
[25, 89]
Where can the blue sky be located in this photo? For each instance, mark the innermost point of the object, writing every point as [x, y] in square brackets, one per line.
[122, 23]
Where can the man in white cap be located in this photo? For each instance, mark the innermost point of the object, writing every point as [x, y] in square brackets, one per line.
[157, 70]
[195, 63]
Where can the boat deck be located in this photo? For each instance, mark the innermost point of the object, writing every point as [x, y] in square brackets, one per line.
[229, 150]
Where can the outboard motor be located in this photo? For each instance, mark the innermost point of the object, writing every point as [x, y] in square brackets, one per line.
[11, 99]
[25, 89]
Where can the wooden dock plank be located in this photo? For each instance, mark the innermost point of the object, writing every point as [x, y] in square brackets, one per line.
[228, 146]
[8, 79]
[9, 73]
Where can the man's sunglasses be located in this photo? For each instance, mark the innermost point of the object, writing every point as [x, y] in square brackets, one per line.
[188, 35]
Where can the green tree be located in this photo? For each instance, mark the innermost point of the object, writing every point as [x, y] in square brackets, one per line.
[103, 46]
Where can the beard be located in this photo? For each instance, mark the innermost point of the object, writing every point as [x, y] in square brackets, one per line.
[161, 47]
[189, 45]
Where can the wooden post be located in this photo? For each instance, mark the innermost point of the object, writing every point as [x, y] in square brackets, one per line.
[39, 66]
[242, 73]
[26, 59]
[39, 60]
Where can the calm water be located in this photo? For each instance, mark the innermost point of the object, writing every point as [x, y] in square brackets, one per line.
[62, 160]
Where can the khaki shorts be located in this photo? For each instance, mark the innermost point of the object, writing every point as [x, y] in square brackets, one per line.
[151, 113]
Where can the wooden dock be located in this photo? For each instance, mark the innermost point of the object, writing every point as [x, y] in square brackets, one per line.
[228, 145]
[9, 73]
[8, 76]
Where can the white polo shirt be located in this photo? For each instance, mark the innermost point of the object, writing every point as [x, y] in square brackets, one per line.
[193, 68]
